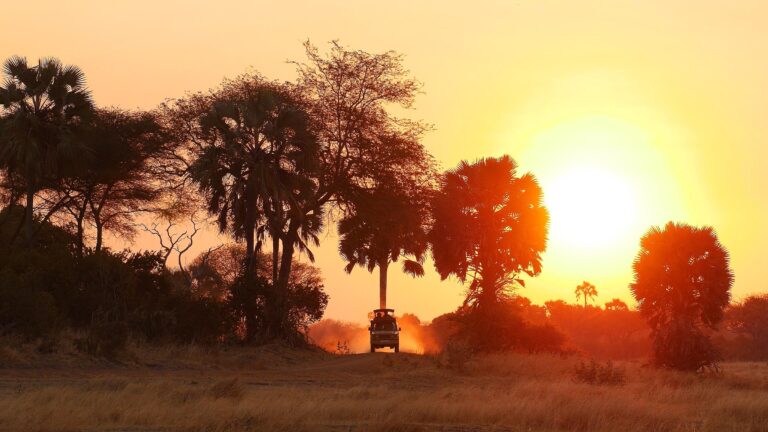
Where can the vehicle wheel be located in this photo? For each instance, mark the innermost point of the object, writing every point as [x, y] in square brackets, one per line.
[397, 348]
[373, 349]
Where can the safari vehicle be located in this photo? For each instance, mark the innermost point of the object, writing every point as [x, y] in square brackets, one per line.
[384, 330]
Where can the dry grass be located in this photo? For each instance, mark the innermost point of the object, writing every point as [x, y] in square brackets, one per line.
[380, 391]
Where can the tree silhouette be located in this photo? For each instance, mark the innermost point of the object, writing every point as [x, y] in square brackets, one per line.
[383, 226]
[346, 96]
[253, 157]
[749, 318]
[255, 150]
[682, 282]
[490, 226]
[587, 291]
[43, 105]
[114, 183]
[616, 305]
[362, 146]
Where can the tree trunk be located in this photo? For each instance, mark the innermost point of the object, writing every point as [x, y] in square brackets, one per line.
[99, 237]
[383, 267]
[275, 255]
[29, 213]
[278, 310]
[81, 230]
[249, 248]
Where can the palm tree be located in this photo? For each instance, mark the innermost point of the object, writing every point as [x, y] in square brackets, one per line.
[384, 226]
[43, 105]
[257, 144]
[682, 282]
[489, 225]
[586, 290]
[253, 166]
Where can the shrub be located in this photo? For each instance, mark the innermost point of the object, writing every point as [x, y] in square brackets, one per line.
[501, 326]
[599, 374]
[680, 345]
[456, 355]
[28, 312]
[105, 338]
[748, 320]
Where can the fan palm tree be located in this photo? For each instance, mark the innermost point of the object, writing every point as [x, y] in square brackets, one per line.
[682, 282]
[587, 291]
[254, 165]
[384, 226]
[257, 148]
[489, 225]
[43, 105]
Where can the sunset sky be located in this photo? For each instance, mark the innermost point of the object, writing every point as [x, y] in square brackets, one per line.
[630, 113]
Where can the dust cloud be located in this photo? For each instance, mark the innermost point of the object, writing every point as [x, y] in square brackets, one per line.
[340, 336]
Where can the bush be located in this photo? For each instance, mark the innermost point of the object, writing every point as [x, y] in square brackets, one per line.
[599, 374]
[28, 312]
[501, 327]
[748, 320]
[105, 338]
[201, 320]
[680, 345]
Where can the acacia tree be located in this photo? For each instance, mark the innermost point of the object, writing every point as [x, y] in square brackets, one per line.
[363, 147]
[116, 182]
[44, 106]
[682, 283]
[585, 290]
[490, 226]
[382, 226]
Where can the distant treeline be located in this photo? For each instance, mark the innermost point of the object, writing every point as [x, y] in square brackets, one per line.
[613, 332]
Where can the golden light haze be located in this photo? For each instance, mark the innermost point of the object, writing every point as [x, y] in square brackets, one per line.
[630, 113]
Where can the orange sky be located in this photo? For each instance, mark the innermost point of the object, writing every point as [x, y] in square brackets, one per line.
[631, 113]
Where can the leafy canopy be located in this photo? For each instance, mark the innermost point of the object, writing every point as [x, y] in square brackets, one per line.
[490, 225]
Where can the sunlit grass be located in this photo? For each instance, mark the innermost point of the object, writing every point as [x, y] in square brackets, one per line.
[382, 392]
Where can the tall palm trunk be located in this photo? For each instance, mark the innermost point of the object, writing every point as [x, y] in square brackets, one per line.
[279, 307]
[275, 256]
[250, 227]
[249, 259]
[383, 267]
[29, 213]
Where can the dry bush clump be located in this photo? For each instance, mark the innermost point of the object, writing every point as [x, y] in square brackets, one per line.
[456, 355]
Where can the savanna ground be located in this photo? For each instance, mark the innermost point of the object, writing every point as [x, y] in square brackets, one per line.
[276, 388]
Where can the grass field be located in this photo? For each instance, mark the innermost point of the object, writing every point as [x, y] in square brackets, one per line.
[274, 388]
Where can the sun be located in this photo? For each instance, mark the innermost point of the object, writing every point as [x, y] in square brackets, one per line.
[590, 207]
[604, 181]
